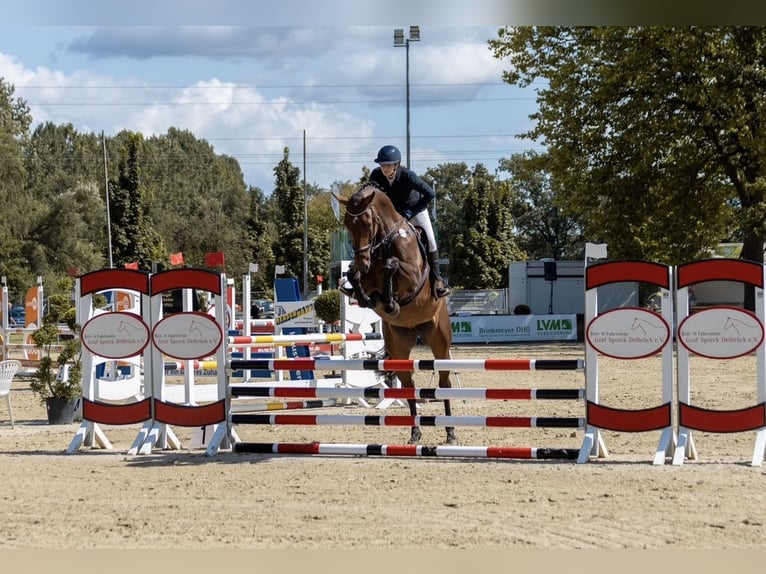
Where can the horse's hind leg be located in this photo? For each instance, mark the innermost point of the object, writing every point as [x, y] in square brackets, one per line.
[439, 340]
[399, 343]
[415, 433]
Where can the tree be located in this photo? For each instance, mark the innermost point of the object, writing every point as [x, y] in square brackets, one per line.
[16, 204]
[288, 196]
[542, 230]
[655, 135]
[450, 182]
[133, 237]
[484, 243]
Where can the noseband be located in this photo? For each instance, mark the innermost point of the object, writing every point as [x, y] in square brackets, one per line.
[373, 246]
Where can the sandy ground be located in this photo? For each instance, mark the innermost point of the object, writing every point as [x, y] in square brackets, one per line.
[107, 499]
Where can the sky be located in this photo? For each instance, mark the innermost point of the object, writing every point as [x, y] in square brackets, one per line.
[321, 78]
[332, 93]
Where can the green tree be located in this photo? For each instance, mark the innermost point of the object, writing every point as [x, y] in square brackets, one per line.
[655, 135]
[450, 182]
[484, 243]
[288, 197]
[16, 203]
[542, 230]
[134, 239]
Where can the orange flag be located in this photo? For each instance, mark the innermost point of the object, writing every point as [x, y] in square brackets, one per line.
[215, 260]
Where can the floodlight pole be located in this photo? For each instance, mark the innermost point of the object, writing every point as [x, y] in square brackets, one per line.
[401, 41]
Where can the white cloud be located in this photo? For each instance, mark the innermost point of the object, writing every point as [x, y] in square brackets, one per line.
[252, 92]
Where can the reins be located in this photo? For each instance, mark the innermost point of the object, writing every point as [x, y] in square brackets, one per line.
[384, 241]
[373, 246]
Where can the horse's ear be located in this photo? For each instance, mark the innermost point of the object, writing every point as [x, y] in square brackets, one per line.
[340, 198]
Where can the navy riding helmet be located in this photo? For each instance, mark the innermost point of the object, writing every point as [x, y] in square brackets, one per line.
[388, 154]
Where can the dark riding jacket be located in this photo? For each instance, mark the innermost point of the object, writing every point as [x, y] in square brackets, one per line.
[408, 192]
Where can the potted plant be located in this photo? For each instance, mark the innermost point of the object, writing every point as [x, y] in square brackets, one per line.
[58, 383]
[327, 306]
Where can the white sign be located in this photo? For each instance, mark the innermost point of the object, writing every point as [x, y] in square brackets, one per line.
[294, 314]
[513, 328]
[115, 335]
[628, 333]
[721, 333]
[188, 335]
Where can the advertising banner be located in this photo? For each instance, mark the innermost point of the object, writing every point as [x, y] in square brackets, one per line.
[513, 328]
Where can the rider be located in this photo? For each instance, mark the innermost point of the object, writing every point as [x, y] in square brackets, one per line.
[410, 196]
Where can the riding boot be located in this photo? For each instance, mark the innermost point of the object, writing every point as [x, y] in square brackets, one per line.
[441, 289]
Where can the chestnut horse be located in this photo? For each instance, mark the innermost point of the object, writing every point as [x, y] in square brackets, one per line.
[390, 275]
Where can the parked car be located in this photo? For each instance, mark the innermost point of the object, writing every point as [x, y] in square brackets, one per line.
[266, 309]
[17, 316]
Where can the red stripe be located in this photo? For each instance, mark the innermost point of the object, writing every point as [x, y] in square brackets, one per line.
[109, 414]
[293, 392]
[297, 448]
[294, 364]
[628, 420]
[398, 365]
[509, 394]
[514, 422]
[617, 271]
[722, 421]
[402, 450]
[395, 393]
[394, 420]
[295, 419]
[188, 416]
[509, 452]
[721, 269]
[114, 278]
[507, 365]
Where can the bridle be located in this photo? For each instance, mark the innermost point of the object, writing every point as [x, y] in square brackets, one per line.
[372, 245]
[380, 238]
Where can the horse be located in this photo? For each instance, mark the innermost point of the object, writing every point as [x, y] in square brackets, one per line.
[390, 274]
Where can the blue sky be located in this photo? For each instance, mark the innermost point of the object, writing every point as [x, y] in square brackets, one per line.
[253, 90]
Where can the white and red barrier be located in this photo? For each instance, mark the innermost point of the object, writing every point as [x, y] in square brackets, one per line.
[628, 333]
[408, 450]
[624, 332]
[720, 333]
[408, 364]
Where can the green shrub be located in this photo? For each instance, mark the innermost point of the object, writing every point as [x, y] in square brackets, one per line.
[327, 306]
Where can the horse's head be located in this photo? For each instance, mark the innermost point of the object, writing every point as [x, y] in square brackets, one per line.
[363, 224]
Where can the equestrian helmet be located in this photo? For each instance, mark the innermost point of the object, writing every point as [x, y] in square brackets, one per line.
[388, 154]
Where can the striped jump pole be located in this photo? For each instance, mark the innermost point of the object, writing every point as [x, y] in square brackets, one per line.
[284, 340]
[319, 364]
[408, 393]
[408, 450]
[195, 365]
[410, 421]
[285, 405]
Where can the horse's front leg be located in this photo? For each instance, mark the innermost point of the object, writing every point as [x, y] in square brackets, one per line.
[390, 307]
[355, 278]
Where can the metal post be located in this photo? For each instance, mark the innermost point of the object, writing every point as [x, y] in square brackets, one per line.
[305, 226]
[399, 41]
[407, 57]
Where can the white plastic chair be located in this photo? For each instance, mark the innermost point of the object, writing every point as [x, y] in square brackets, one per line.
[8, 370]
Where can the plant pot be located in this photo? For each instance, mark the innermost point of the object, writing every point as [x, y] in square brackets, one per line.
[60, 411]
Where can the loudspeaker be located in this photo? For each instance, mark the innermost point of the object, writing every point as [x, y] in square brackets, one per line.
[550, 270]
